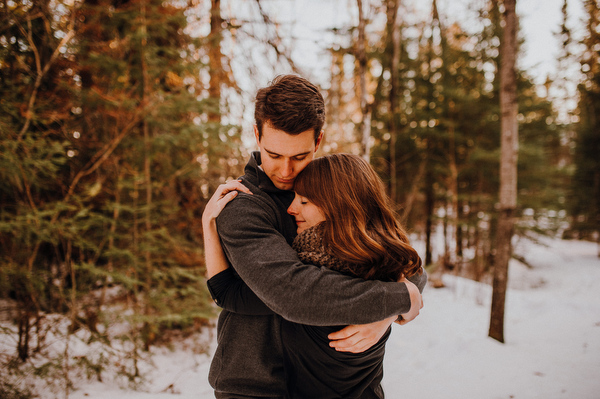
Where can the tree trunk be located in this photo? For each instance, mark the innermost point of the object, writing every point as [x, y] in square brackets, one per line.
[394, 38]
[215, 63]
[451, 220]
[595, 210]
[429, 209]
[508, 168]
[361, 56]
[414, 190]
[452, 212]
[459, 237]
[24, 333]
[148, 333]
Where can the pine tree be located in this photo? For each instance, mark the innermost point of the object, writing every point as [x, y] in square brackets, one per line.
[34, 151]
[448, 135]
[143, 84]
[107, 134]
[585, 196]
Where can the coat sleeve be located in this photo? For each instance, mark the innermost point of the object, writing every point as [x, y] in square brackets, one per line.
[419, 280]
[300, 293]
[232, 294]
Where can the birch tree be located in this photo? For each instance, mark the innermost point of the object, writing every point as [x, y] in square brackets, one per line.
[508, 167]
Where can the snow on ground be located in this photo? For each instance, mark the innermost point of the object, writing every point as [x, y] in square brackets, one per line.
[552, 333]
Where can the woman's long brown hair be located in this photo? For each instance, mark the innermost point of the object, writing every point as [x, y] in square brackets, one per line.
[360, 227]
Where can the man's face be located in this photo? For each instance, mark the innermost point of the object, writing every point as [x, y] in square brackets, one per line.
[284, 155]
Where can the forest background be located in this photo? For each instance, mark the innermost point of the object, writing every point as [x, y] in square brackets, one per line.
[118, 118]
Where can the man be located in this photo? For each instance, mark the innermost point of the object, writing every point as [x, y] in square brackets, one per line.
[256, 233]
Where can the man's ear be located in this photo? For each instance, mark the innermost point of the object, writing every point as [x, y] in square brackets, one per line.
[318, 143]
[256, 135]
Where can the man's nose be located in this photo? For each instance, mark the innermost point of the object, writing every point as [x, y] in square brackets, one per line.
[287, 169]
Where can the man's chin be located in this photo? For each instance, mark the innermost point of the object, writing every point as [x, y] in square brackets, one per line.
[283, 185]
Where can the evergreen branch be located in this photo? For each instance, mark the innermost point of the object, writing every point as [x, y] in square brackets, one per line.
[102, 155]
[183, 170]
[41, 72]
[27, 187]
[84, 172]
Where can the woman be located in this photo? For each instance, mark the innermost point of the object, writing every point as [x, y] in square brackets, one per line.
[346, 223]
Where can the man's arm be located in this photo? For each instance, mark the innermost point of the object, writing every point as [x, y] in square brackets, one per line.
[358, 338]
[300, 293]
[420, 280]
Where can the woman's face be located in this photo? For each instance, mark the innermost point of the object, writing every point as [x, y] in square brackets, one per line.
[306, 213]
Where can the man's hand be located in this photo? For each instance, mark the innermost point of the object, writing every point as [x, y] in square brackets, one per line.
[359, 338]
[416, 302]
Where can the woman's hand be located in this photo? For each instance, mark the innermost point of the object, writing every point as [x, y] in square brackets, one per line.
[221, 197]
[357, 338]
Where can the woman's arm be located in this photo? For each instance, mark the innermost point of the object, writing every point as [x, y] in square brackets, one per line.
[214, 256]
[227, 290]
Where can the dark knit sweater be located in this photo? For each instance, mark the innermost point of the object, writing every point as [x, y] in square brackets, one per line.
[256, 233]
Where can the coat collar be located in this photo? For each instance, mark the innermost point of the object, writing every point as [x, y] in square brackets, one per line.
[260, 178]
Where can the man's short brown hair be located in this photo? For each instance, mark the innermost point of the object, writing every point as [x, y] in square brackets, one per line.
[292, 104]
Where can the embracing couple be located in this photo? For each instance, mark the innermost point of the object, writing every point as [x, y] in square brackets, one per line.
[307, 261]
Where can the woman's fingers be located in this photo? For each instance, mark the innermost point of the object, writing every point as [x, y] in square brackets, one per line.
[222, 196]
[233, 185]
[224, 200]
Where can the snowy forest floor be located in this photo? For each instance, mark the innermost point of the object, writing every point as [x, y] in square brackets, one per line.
[552, 333]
